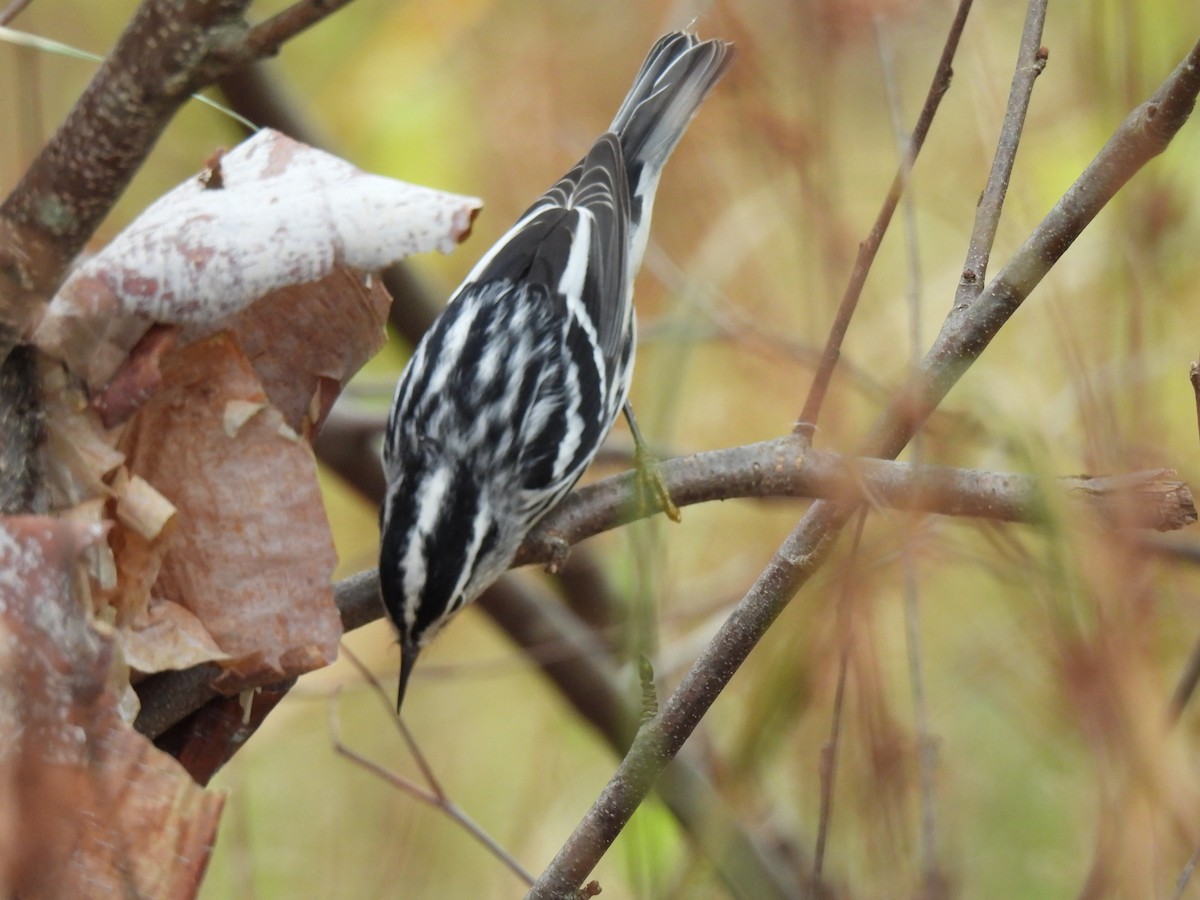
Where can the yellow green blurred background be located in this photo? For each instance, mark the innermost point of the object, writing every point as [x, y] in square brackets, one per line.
[1048, 655]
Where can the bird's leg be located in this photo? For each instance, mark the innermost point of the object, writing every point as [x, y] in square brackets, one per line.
[649, 478]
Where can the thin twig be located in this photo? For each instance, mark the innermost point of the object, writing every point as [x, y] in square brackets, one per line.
[829, 753]
[434, 797]
[14, 9]
[1194, 378]
[1186, 875]
[388, 704]
[927, 747]
[440, 799]
[411, 788]
[870, 247]
[265, 38]
[1186, 686]
[1031, 60]
[968, 330]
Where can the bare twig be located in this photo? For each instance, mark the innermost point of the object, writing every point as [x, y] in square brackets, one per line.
[1186, 685]
[829, 753]
[267, 37]
[435, 797]
[14, 9]
[1186, 875]
[1194, 377]
[868, 248]
[399, 782]
[1031, 60]
[927, 745]
[380, 693]
[967, 331]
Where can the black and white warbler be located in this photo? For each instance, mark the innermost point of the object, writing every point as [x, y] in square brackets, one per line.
[512, 390]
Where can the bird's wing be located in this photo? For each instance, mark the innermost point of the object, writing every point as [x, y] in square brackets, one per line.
[573, 243]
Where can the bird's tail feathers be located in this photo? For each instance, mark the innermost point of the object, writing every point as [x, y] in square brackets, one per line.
[677, 75]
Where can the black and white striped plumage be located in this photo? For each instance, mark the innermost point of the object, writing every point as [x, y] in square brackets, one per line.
[511, 392]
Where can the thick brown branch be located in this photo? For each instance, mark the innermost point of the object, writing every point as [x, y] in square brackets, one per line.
[75, 180]
[21, 435]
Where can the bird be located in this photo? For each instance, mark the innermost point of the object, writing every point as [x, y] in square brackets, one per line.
[510, 393]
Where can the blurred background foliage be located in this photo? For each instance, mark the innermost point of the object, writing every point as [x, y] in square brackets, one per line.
[1048, 655]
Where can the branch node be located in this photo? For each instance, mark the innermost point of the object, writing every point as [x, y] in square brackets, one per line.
[558, 548]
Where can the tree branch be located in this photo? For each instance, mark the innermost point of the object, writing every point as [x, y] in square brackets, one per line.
[870, 247]
[788, 467]
[267, 37]
[14, 9]
[750, 865]
[785, 467]
[1031, 60]
[21, 435]
[170, 49]
[967, 331]
[583, 673]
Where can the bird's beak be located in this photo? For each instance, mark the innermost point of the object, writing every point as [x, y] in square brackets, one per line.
[408, 659]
